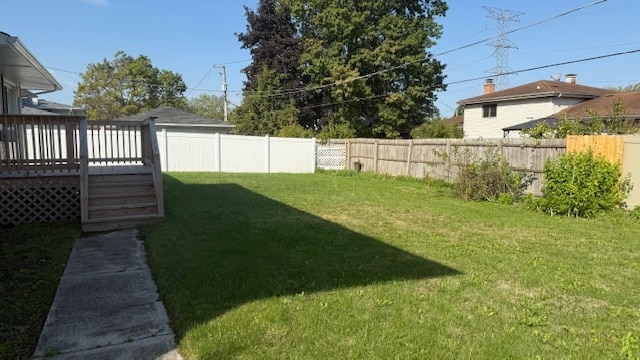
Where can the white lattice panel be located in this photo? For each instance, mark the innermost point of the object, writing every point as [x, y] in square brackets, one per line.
[330, 157]
[45, 199]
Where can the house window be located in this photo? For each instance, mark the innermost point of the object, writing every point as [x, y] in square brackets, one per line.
[490, 110]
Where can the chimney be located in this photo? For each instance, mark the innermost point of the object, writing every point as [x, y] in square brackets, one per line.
[489, 87]
[571, 78]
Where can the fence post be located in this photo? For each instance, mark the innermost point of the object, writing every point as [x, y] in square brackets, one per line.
[217, 154]
[409, 157]
[165, 149]
[69, 130]
[267, 152]
[84, 171]
[375, 157]
[347, 153]
[314, 157]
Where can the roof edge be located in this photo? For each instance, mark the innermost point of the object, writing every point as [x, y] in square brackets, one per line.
[17, 45]
[525, 97]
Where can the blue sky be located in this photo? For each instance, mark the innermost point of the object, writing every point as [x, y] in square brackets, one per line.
[188, 37]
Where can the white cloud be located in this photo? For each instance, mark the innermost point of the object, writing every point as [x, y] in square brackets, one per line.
[98, 2]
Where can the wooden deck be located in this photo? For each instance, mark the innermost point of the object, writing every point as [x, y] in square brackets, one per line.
[107, 174]
[120, 169]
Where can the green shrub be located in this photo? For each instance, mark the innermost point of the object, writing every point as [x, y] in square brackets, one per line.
[488, 179]
[436, 129]
[582, 184]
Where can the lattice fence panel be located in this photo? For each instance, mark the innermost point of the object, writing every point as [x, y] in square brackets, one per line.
[330, 157]
[34, 200]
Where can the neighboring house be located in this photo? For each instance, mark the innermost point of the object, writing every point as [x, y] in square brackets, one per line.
[36, 106]
[175, 120]
[457, 121]
[20, 71]
[602, 105]
[487, 115]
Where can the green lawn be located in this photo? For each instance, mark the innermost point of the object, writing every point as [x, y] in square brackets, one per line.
[32, 260]
[334, 266]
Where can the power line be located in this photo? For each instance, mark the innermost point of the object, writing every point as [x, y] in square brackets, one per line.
[552, 65]
[482, 77]
[200, 82]
[320, 87]
[67, 71]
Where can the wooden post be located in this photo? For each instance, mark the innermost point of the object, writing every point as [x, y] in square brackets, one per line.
[347, 154]
[154, 151]
[408, 172]
[84, 172]
[70, 127]
[375, 157]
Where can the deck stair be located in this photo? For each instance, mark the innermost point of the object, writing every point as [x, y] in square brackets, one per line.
[120, 201]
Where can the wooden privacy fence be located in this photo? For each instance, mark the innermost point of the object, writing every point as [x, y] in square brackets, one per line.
[608, 146]
[428, 157]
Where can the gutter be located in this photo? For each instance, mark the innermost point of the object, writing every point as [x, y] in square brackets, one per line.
[19, 47]
[526, 97]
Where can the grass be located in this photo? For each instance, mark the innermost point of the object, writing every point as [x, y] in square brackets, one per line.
[336, 265]
[32, 260]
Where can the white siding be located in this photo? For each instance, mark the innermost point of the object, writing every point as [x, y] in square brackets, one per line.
[510, 113]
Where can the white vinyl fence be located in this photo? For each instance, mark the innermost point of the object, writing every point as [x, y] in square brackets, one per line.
[188, 151]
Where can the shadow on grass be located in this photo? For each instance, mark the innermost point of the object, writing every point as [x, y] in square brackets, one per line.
[223, 245]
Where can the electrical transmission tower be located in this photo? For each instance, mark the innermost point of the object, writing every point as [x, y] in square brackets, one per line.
[502, 44]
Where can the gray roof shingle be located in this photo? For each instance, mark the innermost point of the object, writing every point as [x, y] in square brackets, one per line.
[538, 89]
[172, 116]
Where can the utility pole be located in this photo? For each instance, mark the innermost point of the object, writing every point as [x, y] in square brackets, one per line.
[502, 44]
[223, 73]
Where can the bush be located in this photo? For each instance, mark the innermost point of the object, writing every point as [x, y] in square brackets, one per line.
[490, 179]
[436, 128]
[582, 184]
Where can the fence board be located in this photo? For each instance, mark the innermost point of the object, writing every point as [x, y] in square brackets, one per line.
[608, 146]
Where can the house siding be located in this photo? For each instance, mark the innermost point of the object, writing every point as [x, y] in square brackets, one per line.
[9, 103]
[510, 113]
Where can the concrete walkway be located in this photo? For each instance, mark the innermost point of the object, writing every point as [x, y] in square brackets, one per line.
[107, 305]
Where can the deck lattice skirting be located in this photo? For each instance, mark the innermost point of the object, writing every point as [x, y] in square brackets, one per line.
[41, 199]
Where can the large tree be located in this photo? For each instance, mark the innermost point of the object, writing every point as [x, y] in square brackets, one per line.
[261, 114]
[126, 86]
[271, 38]
[370, 58]
[210, 106]
[275, 44]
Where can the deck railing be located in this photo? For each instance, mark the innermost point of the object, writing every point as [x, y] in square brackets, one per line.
[118, 143]
[36, 144]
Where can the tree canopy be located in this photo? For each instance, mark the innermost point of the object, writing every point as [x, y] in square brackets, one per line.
[627, 88]
[363, 66]
[259, 115]
[126, 86]
[210, 106]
